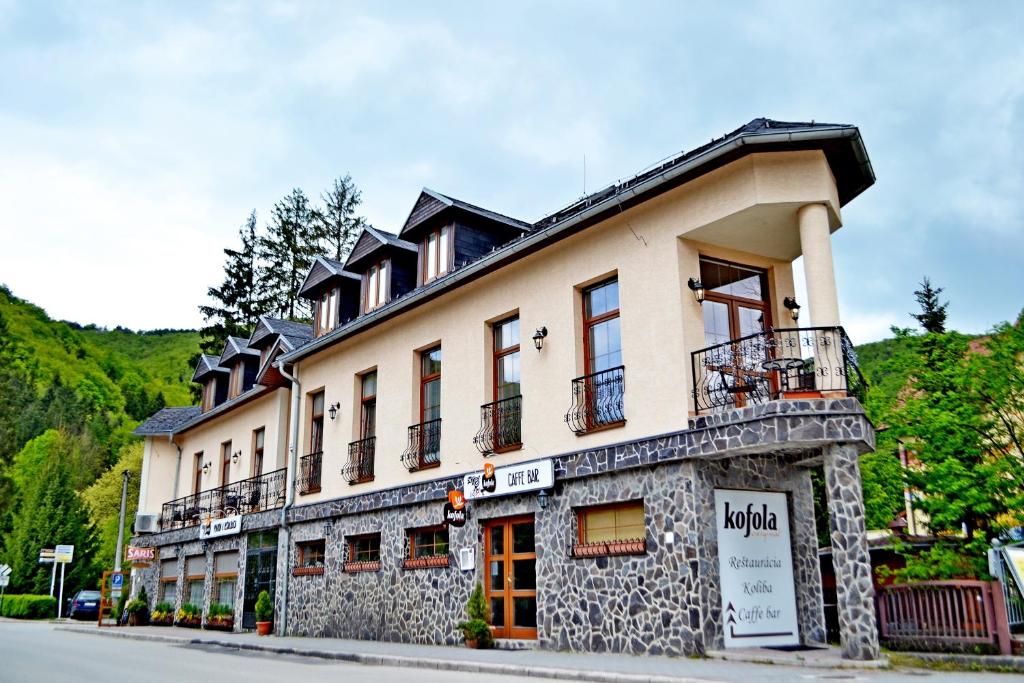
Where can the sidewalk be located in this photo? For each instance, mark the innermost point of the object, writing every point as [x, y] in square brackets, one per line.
[611, 668]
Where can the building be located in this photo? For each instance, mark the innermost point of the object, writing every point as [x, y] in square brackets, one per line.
[597, 388]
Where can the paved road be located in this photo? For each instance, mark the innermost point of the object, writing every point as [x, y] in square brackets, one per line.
[31, 652]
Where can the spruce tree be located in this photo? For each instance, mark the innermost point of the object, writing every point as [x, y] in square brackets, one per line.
[286, 254]
[933, 314]
[336, 222]
[238, 301]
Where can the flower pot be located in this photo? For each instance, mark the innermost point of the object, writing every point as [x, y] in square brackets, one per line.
[472, 643]
[263, 627]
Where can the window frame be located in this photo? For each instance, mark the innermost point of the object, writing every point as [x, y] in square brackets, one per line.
[590, 322]
[352, 563]
[364, 402]
[225, 463]
[258, 450]
[316, 421]
[302, 551]
[442, 261]
[617, 546]
[498, 354]
[426, 561]
[426, 379]
[371, 297]
[197, 473]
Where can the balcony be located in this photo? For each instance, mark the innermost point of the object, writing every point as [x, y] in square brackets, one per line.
[424, 449]
[265, 492]
[359, 468]
[310, 470]
[597, 401]
[808, 362]
[501, 426]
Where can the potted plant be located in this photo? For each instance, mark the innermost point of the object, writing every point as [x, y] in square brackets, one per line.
[189, 616]
[163, 614]
[220, 617]
[138, 612]
[477, 630]
[264, 614]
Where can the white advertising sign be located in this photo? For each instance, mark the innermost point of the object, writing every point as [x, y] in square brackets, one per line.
[63, 553]
[5, 581]
[755, 562]
[511, 479]
[226, 526]
[1015, 558]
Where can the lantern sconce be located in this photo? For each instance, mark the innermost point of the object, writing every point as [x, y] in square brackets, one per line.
[333, 410]
[698, 289]
[538, 337]
[794, 308]
[235, 456]
[542, 499]
[206, 468]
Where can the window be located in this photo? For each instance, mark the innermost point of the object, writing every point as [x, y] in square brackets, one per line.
[430, 385]
[617, 529]
[368, 410]
[506, 359]
[436, 254]
[376, 283]
[197, 476]
[363, 553]
[225, 463]
[195, 579]
[601, 327]
[424, 448]
[225, 576]
[258, 435]
[316, 423]
[428, 547]
[209, 394]
[502, 429]
[235, 380]
[598, 395]
[168, 581]
[326, 315]
[310, 557]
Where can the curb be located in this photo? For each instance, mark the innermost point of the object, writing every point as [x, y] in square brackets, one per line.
[806, 662]
[409, 662]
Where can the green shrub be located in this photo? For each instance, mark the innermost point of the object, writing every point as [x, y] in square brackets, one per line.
[479, 614]
[264, 608]
[29, 607]
[218, 609]
[136, 607]
[477, 607]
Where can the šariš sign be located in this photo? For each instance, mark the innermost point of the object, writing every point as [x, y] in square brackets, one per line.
[226, 526]
[139, 555]
[510, 479]
[755, 560]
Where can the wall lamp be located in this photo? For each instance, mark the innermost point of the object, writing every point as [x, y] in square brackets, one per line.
[538, 337]
[235, 456]
[206, 467]
[698, 289]
[333, 410]
[542, 499]
[794, 308]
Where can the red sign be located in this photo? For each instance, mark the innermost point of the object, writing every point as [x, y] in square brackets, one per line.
[133, 554]
[488, 470]
[457, 500]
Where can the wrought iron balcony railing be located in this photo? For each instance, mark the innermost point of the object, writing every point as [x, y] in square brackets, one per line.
[597, 400]
[424, 449]
[774, 364]
[265, 492]
[310, 470]
[359, 468]
[501, 426]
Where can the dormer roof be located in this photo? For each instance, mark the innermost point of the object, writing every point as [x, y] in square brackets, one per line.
[323, 270]
[235, 347]
[370, 242]
[270, 329]
[207, 364]
[432, 203]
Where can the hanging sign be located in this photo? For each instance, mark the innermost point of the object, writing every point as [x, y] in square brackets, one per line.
[139, 555]
[510, 479]
[755, 563]
[455, 509]
[226, 526]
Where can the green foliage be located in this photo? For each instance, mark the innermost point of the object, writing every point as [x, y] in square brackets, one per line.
[29, 607]
[286, 252]
[478, 630]
[218, 609]
[264, 607]
[188, 610]
[336, 221]
[932, 317]
[477, 607]
[137, 607]
[947, 560]
[163, 608]
[103, 498]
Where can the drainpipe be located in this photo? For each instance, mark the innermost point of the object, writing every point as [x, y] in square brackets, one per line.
[177, 470]
[293, 463]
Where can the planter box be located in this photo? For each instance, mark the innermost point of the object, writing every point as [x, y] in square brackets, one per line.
[352, 567]
[220, 625]
[425, 562]
[163, 621]
[636, 546]
[189, 622]
[307, 571]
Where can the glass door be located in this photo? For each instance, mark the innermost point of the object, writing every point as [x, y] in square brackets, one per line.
[510, 557]
[260, 572]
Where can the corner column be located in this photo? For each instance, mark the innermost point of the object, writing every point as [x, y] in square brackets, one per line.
[858, 633]
[816, 247]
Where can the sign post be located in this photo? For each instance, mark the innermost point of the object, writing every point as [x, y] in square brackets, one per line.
[5, 578]
[46, 557]
[755, 560]
[62, 554]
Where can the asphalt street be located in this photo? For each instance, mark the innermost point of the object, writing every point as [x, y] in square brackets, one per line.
[34, 651]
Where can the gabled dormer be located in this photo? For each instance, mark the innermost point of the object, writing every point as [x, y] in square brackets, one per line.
[449, 233]
[242, 363]
[386, 265]
[334, 292]
[271, 338]
[214, 379]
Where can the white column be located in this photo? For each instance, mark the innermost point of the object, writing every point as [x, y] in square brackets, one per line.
[816, 245]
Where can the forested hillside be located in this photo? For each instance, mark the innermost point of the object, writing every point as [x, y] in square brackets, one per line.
[69, 399]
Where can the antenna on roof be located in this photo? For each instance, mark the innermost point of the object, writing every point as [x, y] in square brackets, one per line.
[584, 175]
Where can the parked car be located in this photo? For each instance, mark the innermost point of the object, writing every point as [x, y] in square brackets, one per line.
[85, 605]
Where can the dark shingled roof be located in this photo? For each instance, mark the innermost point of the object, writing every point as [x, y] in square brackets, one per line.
[236, 346]
[417, 217]
[167, 420]
[322, 270]
[206, 365]
[297, 334]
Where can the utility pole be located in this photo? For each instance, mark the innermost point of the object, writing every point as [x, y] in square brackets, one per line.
[120, 522]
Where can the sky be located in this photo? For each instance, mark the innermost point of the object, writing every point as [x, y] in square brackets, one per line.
[135, 138]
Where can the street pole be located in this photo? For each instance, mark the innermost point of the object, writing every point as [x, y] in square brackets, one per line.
[120, 522]
[53, 576]
[60, 601]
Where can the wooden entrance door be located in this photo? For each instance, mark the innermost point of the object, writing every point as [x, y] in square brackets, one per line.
[510, 558]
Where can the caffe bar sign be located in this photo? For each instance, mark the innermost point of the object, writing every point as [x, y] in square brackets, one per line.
[509, 480]
[225, 526]
[755, 561]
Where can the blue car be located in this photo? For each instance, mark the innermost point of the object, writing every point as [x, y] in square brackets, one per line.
[85, 605]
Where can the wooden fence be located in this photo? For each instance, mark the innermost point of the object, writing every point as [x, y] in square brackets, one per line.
[944, 615]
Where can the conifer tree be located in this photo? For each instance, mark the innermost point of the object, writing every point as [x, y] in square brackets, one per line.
[286, 254]
[933, 314]
[240, 299]
[336, 222]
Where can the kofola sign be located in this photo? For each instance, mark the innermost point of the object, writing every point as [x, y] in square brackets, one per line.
[225, 526]
[510, 479]
[455, 509]
[755, 561]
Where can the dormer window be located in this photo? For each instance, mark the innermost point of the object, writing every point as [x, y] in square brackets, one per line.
[209, 394]
[376, 284]
[326, 312]
[237, 379]
[436, 250]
